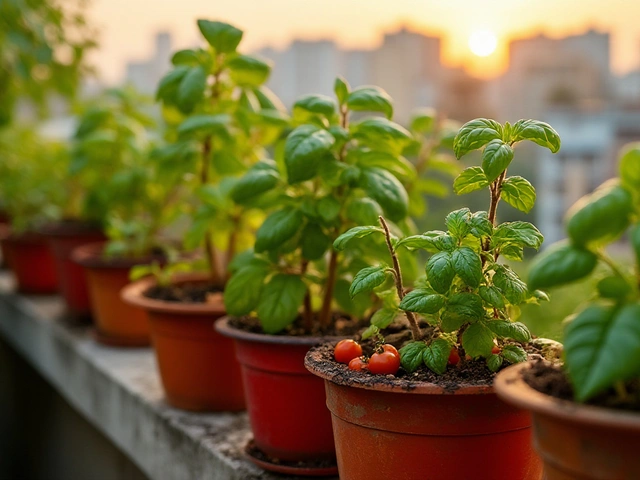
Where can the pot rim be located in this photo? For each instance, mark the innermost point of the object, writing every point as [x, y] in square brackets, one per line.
[30, 237]
[71, 228]
[511, 387]
[90, 255]
[133, 294]
[224, 328]
[399, 385]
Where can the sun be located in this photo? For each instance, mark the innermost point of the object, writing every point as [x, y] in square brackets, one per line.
[483, 42]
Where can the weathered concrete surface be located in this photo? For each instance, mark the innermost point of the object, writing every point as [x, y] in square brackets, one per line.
[119, 391]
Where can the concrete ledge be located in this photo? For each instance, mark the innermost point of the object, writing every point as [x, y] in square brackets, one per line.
[119, 392]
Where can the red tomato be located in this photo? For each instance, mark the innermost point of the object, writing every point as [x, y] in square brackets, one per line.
[390, 348]
[495, 350]
[347, 350]
[357, 364]
[454, 357]
[384, 363]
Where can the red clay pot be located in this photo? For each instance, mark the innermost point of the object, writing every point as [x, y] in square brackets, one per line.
[286, 405]
[30, 260]
[198, 366]
[385, 430]
[117, 323]
[63, 238]
[576, 441]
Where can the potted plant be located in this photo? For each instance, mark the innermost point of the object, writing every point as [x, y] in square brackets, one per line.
[585, 411]
[30, 193]
[224, 118]
[290, 292]
[432, 400]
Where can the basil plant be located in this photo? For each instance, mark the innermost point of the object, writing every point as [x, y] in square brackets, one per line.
[469, 298]
[333, 173]
[221, 118]
[602, 341]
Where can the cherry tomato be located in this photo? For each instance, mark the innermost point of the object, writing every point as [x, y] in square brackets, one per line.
[358, 364]
[347, 350]
[390, 348]
[495, 350]
[384, 363]
[454, 357]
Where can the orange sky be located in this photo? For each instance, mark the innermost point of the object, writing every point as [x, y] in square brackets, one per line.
[127, 26]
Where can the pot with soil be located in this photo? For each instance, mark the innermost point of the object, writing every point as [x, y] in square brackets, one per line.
[198, 368]
[63, 237]
[29, 258]
[117, 323]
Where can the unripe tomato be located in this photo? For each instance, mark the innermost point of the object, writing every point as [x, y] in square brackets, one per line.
[357, 364]
[495, 350]
[454, 357]
[347, 350]
[390, 348]
[385, 363]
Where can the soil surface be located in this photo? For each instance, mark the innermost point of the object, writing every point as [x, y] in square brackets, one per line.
[342, 326]
[255, 452]
[189, 292]
[552, 380]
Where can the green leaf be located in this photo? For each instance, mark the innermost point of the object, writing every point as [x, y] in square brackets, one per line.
[634, 238]
[364, 211]
[281, 298]
[436, 355]
[248, 71]
[480, 225]
[517, 233]
[432, 242]
[191, 89]
[514, 354]
[440, 271]
[423, 120]
[204, 124]
[168, 87]
[514, 289]
[613, 287]
[243, 290]
[518, 193]
[395, 164]
[221, 36]
[384, 317]
[494, 362]
[370, 331]
[185, 57]
[476, 134]
[467, 265]
[514, 330]
[600, 217]
[329, 208]
[470, 180]
[630, 166]
[462, 307]
[260, 178]
[477, 340]
[356, 232]
[458, 223]
[411, 355]
[367, 279]
[381, 134]
[305, 148]
[341, 89]
[560, 264]
[602, 346]
[496, 157]
[314, 242]
[385, 189]
[318, 104]
[421, 300]
[353, 306]
[371, 99]
[278, 228]
[492, 295]
[538, 132]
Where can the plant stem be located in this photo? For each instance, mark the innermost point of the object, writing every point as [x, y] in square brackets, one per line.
[493, 209]
[233, 239]
[307, 313]
[611, 264]
[413, 322]
[212, 259]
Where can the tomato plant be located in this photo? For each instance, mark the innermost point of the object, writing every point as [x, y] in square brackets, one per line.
[384, 363]
[347, 350]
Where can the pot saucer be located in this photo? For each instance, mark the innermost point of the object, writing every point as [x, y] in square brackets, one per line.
[303, 469]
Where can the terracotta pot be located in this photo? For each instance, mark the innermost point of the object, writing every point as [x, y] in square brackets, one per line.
[576, 441]
[420, 430]
[117, 323]
[63, 238]
[30, 260]
[286, 404]
[198, 366]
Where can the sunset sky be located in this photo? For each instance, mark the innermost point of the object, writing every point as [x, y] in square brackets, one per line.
[127, 26]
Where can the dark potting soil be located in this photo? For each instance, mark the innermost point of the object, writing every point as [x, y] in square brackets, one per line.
[255, 452]
[551, 379]
[342, 326]
[187, 292]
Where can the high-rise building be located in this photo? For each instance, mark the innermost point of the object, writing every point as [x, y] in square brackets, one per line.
[145, 75]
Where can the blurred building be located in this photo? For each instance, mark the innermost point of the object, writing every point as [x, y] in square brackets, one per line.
[145, 75]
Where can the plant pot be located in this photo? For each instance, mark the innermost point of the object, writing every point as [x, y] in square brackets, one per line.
[286, 404]
[387, 428]
[198, 366]
[117, 323]
[575, 441]
[63, 238]
[29, 257]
